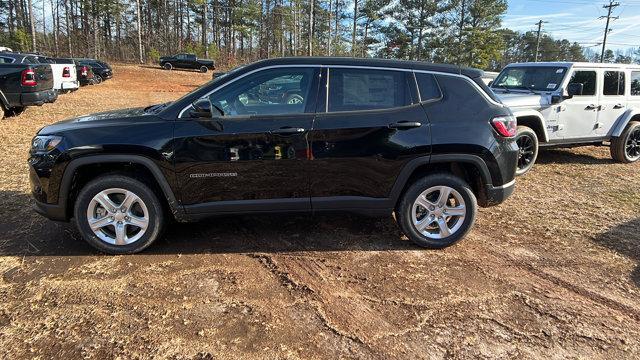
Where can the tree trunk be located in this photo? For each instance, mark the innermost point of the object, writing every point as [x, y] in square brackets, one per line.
[355, 21]
[139, 33]
[312, 7]
[33, 27]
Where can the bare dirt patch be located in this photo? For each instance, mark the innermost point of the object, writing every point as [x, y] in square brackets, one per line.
[552, 273]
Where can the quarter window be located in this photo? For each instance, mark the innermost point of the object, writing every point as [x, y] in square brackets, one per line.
[587, 79]
[366, 89]
[613, 83]
[635, 83]
[268, 92]
[428, 87]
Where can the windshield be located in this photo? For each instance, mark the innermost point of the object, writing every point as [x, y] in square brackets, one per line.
[542, 78]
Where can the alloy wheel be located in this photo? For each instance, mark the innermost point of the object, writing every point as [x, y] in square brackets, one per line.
[526, 152]
[632, 146]
[438, 212]
[118, 216]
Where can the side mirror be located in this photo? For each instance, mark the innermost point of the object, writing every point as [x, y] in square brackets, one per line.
[574, 89]
[201, 109]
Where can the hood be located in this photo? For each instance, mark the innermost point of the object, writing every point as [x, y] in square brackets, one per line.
[514, 99]
[114, 117]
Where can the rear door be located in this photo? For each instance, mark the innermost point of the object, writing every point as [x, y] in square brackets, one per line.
[370, 126]
[613, 100]
[253, 158]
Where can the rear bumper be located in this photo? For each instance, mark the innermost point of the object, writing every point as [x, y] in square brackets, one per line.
[70, 85]
[497, 194]
[32, 98]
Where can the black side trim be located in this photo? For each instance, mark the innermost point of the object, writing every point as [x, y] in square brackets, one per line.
[71, 168]
[573, 142]
[408, 169]
[249, 206]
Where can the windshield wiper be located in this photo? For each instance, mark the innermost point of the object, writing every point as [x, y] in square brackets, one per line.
[156, 108]
[503, 87]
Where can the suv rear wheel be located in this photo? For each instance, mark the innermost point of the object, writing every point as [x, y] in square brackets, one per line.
[626, 148]
[118, 214]
[527, 141]
[203, 69]
[167, 66]
[437, 211]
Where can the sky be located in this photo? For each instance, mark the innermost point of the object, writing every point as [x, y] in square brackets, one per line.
[577, 21]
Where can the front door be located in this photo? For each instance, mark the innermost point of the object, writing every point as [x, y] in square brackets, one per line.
[579, 114]
[613, 102]
[370, 129]
[255, 156]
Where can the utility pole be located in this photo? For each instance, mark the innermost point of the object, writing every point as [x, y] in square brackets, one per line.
[609, 7]
[539, 23]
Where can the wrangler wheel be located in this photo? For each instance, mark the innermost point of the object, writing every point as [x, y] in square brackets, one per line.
[626, 148]
[527, 142]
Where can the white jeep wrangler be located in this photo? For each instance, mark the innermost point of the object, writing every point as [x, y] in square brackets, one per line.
[570, 104]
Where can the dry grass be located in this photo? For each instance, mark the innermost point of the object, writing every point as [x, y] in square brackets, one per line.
[552, 273]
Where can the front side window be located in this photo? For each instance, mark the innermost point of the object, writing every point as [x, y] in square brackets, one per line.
[6, 60]
[268, 92]
[366, 89]
[613, 83]
[588, 81]
[543, 78]
[635, 83]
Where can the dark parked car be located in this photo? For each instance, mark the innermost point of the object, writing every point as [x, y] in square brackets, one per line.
[23, 84]
[428, 142]
[101, 70]
[186, 61]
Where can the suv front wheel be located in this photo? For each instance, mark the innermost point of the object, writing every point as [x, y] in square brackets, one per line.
[437, 211]
[118, 214]
[527, 141]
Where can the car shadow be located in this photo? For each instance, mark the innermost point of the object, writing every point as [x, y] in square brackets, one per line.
[625, 240]
[26, 233]
[566, 156]
[157, 67]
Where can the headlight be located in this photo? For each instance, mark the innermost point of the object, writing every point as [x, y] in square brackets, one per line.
[45, 143]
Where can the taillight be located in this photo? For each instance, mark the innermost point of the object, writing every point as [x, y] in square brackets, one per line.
[84, 71]
[506, 126]
[66, 72]
[29, 78]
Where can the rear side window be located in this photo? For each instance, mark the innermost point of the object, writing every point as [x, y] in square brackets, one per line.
[364, 89]
[428, 87]
[635, 83]
[6, 60]
[613, 83]
[587, 79]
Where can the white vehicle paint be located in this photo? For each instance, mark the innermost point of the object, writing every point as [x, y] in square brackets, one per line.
[597, 111]
[64, 77]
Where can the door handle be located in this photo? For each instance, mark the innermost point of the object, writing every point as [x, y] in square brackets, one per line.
[618, 106]
[591, 107]
[405, 125]
[287, 131]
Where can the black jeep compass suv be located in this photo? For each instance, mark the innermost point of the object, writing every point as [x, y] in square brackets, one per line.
[428, 142]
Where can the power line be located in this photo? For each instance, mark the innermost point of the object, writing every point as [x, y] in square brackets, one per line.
[609, 7]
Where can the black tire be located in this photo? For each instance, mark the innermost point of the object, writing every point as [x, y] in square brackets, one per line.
[294, 99]
[203, 69]
[16, 110]
[626, 148]
[527, 141]
[167, 66]
[406, 207]
[148, 197]
[98, 79]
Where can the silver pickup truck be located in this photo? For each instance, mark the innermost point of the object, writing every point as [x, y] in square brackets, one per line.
[572, 104]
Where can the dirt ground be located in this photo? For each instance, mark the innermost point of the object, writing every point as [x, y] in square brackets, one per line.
[552, 273]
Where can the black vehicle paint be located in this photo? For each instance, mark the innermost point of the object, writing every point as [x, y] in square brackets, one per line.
[353, 160]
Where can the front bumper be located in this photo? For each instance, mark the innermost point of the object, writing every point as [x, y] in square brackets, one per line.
[53, 212]
[495, 195]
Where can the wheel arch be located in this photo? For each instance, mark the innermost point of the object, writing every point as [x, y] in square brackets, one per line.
[469, 167]
[82, 170]
[534, 120]
[632, 114]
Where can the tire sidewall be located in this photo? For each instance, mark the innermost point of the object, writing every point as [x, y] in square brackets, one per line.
[522, 132]
[628, 132]
[151, 201]
[203, 69]
[406, 207]
[167, 66]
